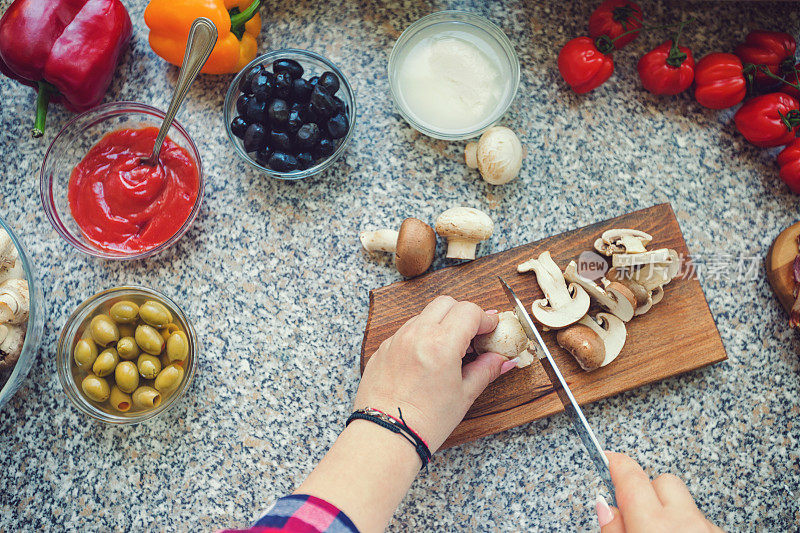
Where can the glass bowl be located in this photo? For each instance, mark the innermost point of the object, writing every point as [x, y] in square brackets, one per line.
[448, 21]
[314, 65]
[75, 140]
[33, 335]
[73, 331]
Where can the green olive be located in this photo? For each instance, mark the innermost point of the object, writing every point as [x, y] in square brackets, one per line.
[127, 348]
[169, 329]
[119, 400]
[124, 312]
[85, 354]
[127, 376]
[149, 339]
[96, 388]
[177, 346]
[149, 366]
[155, 314]
[106, 362]
[126, 330]
[146, 397]
[104, 330]
[169, 378]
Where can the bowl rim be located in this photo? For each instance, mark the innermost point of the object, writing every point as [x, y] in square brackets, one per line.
[64, 358]
[46, 185]
[19, 373]
[492, 30]
[233, 93]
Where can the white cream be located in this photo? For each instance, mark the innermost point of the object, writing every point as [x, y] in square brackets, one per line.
[449, 82]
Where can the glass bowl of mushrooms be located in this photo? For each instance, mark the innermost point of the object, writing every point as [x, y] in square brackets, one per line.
[21, 314]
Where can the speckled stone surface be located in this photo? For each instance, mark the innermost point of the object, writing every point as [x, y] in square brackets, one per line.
[275, 281]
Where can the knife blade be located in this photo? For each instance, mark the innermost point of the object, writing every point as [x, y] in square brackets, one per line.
[571, 407]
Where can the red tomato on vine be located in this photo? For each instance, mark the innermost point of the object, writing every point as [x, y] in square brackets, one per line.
[789, 161]
[769, 120]
[719, 81]
[612, 18]
[773, 49]
[583, 66]
[667, 69]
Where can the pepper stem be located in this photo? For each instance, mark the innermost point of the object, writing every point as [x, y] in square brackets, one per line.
[637, 30]
[767, 72]
[42, 100]
[676, 57]
[239, 19]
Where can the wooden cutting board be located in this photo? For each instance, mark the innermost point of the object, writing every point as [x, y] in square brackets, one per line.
[676, 336]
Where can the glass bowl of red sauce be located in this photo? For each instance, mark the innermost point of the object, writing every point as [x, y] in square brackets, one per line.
[103, 200]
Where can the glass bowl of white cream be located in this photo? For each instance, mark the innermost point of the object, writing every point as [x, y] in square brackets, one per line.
[453, 74]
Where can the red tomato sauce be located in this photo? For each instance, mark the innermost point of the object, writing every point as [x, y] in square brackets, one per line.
[123, 205]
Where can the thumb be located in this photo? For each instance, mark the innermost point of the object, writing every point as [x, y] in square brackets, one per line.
[480, 372]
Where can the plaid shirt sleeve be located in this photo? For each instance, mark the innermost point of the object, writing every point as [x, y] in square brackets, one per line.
[299, 513]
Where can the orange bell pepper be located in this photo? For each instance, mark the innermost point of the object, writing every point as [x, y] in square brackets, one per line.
[238, 24]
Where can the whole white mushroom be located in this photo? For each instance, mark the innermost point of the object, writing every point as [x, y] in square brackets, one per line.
[497, 155]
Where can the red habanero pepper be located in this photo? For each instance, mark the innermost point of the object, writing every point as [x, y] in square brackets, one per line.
[66, 49]
[769, 120]
[586, 64]
[612, 18]
[667, 69]
[773, 49]
[719, 81]
[789, 161]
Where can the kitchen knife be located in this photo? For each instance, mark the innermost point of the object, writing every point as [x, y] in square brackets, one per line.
[562, 389]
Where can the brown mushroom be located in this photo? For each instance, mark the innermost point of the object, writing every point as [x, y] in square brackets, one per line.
[414, 245]
[584, 344]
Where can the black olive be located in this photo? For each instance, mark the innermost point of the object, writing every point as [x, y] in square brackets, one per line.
[283, 85]
[295, 121]
[239, 126]
[325, 147]
[241, 103]
[280, 141]
[309, 115]
[304, 160]
[337, 126]
[301, 90]
[322, 103]
[263, 155]
[282, 162]
[278, 112]
[247, 84]
[313, 80]
[254, 138]
[291, 66]
[341, 107]
[307, 135]
[256, 111]
[329, 81]
[263, 85]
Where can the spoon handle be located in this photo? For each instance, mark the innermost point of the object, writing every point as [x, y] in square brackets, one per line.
[202, 38]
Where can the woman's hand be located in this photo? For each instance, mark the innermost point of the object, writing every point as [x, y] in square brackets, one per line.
[664, 504]
[419, 369]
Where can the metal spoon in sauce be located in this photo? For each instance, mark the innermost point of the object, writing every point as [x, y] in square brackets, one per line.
[202, 38]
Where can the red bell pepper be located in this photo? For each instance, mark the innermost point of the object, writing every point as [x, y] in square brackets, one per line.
[789, 161]
[612, 18]
[773, 49]
[583, 65]
[66, 49]
[667, 69]
[769, 120]
[719, 81]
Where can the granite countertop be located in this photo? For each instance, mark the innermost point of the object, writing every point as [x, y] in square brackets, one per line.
[273, 276]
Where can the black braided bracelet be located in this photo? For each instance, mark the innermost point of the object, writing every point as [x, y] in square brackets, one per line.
[395, 425]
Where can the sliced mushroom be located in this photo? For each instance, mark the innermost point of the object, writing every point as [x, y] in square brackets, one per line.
[497, 155]
[508, 339]
[640, 294]
[414, 245]
[645, 258]
[14, 301]
[12, 338]
[464, 228]
[622, 241]
[563, 305]
[615, 298]
[584, 347]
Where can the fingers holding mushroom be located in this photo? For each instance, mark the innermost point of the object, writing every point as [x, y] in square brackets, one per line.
[497, 155]
[508, 339]
[464, 228]
[414, 245]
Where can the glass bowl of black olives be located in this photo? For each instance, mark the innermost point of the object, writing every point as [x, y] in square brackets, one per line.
[290, 113]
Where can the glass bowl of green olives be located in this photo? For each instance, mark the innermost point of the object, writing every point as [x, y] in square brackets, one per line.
[126, 354]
